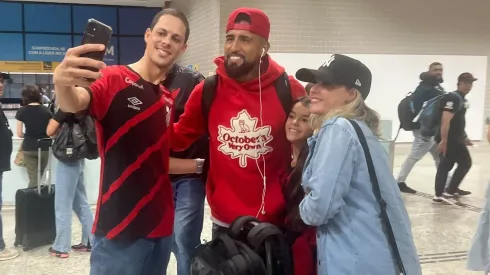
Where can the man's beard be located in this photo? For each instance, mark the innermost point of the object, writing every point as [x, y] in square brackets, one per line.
[239, 71]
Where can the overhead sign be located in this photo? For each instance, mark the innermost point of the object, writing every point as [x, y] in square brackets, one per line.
[28, 66]
[44, 47]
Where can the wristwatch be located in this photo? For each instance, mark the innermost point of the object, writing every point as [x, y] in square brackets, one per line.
[199, 166]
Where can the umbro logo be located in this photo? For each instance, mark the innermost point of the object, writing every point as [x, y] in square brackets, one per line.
[134, 103]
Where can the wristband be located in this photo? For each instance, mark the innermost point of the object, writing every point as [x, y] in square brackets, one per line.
[199, 166]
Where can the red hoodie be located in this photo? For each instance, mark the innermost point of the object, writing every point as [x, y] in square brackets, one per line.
[239, 143]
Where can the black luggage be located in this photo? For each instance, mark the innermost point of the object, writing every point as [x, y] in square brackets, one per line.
[35, 223]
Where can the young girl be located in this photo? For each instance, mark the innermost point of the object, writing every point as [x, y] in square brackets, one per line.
[301, 237]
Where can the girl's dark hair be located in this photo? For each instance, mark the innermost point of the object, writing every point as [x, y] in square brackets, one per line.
[31, 94]
[293, 192]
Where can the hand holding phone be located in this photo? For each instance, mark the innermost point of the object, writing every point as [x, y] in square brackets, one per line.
[96, 33]
[81, 64]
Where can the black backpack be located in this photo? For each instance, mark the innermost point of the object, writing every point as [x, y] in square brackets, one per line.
[76, 140]
[249, 247]
[406, 114]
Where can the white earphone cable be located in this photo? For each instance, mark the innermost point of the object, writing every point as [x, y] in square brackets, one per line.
[261, 171]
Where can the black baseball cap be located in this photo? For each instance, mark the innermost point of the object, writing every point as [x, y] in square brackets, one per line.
[5, 76]
[340, 70]
[466, 77]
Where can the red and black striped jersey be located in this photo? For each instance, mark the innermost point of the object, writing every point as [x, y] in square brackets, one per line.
[134, 124]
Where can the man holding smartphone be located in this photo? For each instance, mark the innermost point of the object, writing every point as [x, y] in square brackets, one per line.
[135, 211]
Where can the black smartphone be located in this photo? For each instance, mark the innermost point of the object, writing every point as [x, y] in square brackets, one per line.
[96, 32]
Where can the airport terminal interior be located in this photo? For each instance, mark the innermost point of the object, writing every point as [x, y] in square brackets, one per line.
[397, 40]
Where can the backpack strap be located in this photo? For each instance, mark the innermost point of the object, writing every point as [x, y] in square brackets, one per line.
[237, 225]
[259, 233]
[208, 92]
[377, 193]
[283, 90]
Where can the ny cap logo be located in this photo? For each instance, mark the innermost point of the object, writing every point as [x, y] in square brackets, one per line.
[329, 61]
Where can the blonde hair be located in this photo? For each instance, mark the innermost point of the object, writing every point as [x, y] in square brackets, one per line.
[356, 109]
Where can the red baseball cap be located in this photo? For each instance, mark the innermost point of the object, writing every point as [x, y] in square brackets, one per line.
[259, 22]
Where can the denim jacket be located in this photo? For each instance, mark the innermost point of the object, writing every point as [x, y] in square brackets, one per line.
[350, 236]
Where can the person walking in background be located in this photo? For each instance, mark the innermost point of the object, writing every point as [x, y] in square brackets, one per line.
[5, 152]
[35, 117]
[452, 141]
[337, 179]
[70, 196]
[429, 87]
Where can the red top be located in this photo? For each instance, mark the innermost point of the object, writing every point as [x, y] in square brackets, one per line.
[133, 126]
[239, 143]
[304, 251]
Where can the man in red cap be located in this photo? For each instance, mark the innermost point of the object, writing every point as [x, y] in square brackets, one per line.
[250, 97]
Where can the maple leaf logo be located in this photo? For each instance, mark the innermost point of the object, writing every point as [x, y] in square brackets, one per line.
[244, 139]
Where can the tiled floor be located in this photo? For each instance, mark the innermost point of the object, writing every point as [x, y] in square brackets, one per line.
[442, 233]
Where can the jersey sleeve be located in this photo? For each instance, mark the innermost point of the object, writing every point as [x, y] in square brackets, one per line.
[450, 103]
[190, 126]
[99, 93]
[297, 90]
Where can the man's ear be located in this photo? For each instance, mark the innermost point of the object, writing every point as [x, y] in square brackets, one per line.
[184, 48]
[267, 46]
[147, 34]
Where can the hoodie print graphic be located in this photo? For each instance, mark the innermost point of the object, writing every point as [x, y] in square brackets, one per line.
[245, 138]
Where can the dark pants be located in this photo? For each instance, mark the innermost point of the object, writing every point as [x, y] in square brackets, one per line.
[142, 257]
[456, 153]
[189, 195]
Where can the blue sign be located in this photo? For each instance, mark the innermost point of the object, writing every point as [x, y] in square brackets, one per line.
[135, 21]
[110, 57]
[11, 45]
[131, 49]
[106, 15]
[47, 18]
[11, 17]
[46, 47]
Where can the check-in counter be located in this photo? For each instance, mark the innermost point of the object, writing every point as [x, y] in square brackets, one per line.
[17, 178]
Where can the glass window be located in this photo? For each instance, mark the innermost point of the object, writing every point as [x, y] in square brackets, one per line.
[16, 78]
[15, 90]
[30, 79]
[43, 78]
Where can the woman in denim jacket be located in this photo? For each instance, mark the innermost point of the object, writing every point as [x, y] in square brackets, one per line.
[340, 201]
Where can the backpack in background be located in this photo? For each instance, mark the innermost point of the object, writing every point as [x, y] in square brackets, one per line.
[406, 113]
[75, 141]
[430, 115]
[249, 247]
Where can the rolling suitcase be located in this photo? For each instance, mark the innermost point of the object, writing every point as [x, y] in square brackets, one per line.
[35, 223]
